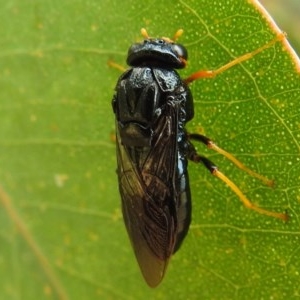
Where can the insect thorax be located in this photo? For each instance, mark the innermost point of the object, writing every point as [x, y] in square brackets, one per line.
[141, 96]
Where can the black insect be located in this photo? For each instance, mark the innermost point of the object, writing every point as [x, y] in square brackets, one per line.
[152, 105]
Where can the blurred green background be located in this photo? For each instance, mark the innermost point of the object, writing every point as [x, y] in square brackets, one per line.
[286, 14]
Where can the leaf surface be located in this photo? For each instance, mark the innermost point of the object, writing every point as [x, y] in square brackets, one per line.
[61, 229]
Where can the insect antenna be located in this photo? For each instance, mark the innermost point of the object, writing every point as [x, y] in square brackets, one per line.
[177, 34]
[145, 34]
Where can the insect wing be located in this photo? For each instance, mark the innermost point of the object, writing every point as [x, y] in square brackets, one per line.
[149, 199]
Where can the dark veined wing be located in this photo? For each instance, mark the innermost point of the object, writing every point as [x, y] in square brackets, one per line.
[148, 196]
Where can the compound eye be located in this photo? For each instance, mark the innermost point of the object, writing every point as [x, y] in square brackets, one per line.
[180, 51]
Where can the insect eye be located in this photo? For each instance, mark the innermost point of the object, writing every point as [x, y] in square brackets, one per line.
[180, 51]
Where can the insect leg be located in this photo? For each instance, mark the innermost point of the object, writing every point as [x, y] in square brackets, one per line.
[213, 73]
[114, 65]
[195, 157]
[210, 144]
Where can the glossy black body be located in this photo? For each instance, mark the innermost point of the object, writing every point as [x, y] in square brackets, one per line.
[152, 105]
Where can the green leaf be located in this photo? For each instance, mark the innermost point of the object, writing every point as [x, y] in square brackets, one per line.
[61, 229]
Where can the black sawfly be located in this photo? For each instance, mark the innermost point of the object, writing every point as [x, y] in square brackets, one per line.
[152, 105]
